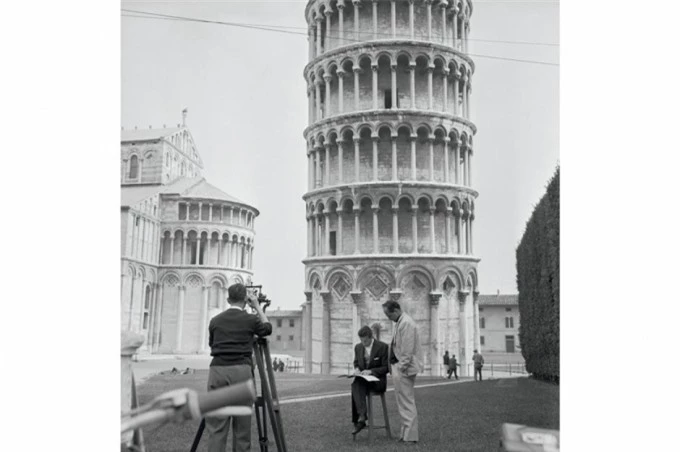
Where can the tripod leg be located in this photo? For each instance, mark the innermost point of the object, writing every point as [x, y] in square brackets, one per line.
[272, 399]
[197, 438]
[260, 416]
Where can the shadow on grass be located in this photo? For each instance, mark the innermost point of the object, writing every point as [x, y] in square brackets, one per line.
[458, 417]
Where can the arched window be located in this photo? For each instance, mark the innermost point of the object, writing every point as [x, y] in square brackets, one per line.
[134, 167]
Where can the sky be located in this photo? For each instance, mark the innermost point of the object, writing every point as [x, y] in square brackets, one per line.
[247, 104]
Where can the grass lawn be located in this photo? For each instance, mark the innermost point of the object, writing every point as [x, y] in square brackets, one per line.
[463, 416]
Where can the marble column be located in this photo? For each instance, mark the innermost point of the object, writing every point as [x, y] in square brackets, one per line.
[341, 91]
[411, 19]
[433, 242]
[447, 175]
[430, 142]
[376, 237]
[374, 88]
[395, 230]
[430, 97]
[412, 73]
[393, 70]
[356, 71]
[448, 230]
[180, 318]
[375, 158]
[394, 158]
[357, 141]
[393, 17]
[327, 98]
[414, 172]
[204, 320]
[356, 230]
[341, 157]
[414, 226]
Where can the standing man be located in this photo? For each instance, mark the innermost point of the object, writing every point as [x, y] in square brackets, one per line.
[231, 337]
[370, 358]
[405, 363]
[479, 363]
[452, 367]
[446, 363]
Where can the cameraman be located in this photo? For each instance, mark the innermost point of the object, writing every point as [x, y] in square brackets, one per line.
[231, 343]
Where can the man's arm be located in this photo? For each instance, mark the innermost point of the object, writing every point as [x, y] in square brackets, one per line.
[356, 357]
[211, 329]
[382, 353]
[408, 343]
[262, 326]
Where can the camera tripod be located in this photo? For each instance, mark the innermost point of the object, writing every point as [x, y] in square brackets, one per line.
[267, 403]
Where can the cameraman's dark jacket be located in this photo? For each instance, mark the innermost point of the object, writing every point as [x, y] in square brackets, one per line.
[231, 336]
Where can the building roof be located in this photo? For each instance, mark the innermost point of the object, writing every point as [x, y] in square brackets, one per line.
[284, 313]
[147, 134]
[498, 300]
[203, 189]
[189, 187]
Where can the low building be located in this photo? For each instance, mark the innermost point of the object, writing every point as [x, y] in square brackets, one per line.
[499, 323]
[286, 330]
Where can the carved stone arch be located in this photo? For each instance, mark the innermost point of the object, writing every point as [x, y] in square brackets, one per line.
[426, 196]
[346, 197]
[141, 272]
[385, 53]
[416, 268]
[471, 280]
[454, 275]
[388, 126]
[345, 60]
[320, 139]
[376, 279]
[194, 279]
[380, 196]
[219, 278]
[439, 131]
[235, 279]
[407, 196]
[320, 206]
[151, 275]
[454, 134]
[405, 53]
[364, 195]
[131, 271]
[426, 126]
[405, 125]
[442, 197]
[340, 282]
[331, 136]
[171, 279]
[363, 55]
[365, 126]
[330, 202]
[348, 129]
[315, 281]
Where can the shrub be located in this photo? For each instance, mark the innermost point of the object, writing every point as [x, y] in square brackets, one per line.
[538, 284]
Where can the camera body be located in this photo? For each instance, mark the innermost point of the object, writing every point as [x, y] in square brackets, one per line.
[261, 297]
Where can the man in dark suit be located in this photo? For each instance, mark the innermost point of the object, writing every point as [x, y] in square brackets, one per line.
[370, 358]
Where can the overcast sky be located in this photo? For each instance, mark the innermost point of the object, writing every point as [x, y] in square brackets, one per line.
[248, 107]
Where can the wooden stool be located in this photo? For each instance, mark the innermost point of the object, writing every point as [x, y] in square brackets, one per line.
[371, 424]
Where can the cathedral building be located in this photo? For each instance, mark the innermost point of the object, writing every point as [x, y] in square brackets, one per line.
[391, 202]
[183, 241]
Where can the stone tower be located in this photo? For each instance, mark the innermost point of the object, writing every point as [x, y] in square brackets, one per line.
[390, 203]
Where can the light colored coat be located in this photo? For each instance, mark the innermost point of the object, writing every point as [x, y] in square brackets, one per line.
[407, 348]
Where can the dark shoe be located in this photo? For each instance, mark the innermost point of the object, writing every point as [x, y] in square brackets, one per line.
[359, 426]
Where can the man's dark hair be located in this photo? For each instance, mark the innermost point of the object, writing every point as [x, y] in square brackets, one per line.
[365, 331]
[237, 293]
[391, 306]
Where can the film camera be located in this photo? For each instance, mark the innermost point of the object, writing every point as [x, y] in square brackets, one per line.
[261, 297]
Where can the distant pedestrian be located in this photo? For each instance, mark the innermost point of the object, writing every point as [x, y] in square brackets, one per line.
[275, 365]
[479, 363]
[453, 363]
[446, 362]
[282, 366]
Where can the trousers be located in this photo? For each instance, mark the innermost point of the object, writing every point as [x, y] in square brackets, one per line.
[406, 404]
[478, 371]
[218, 427]
[360, 388]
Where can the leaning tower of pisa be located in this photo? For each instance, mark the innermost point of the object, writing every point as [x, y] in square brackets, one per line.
[390, 202]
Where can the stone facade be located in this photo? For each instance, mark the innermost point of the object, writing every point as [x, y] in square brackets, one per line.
[499, 323]
[286, 330]
[390, 202]
[183, 242]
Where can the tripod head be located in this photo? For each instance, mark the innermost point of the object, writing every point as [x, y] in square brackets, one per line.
[261, 297]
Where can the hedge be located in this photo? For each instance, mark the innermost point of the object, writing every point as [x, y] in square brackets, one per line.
[538, 284]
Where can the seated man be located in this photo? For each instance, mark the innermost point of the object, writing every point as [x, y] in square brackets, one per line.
[370, 358]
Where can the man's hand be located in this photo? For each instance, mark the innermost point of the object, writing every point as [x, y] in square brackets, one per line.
[252, 301]
[356, 371]
[366, 372]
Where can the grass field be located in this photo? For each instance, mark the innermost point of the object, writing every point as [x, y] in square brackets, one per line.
[460, 416]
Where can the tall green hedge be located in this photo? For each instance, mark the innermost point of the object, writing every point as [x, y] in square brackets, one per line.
[538, 283]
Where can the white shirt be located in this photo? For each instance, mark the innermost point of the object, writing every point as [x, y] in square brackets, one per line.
[367, 350]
